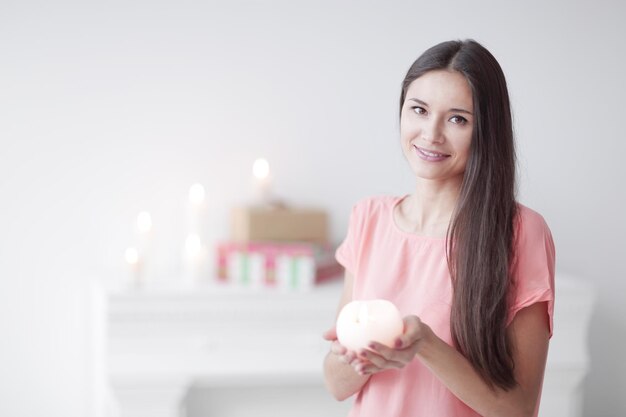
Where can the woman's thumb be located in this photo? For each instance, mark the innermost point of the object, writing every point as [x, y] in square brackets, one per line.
[330, 334]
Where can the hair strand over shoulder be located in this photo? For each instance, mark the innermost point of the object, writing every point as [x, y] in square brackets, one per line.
[481, 233]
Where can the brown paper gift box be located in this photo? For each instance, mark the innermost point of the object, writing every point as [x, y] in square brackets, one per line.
[279, 223]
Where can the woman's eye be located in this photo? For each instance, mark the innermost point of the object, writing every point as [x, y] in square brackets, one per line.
[458, 120]
[419, 110]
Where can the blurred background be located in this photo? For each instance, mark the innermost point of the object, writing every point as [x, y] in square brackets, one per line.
[111, 108]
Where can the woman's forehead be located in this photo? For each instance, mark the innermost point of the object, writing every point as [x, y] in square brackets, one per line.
[442, 88]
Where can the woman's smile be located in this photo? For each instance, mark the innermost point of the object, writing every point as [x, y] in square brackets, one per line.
[430, 156]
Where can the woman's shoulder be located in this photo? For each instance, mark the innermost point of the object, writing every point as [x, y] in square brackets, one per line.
[533, 263]
[530, 221]
[375, 206]
[533, 237]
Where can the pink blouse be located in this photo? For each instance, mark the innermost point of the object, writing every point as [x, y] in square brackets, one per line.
[412, 272]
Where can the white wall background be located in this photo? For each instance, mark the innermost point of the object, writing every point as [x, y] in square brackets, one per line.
[109, 108]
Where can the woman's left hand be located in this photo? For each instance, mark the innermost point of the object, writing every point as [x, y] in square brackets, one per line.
[380, 357]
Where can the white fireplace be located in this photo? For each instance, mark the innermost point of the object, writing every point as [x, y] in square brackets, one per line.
[228, 352]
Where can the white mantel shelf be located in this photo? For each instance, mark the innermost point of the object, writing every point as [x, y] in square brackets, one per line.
[161, 342]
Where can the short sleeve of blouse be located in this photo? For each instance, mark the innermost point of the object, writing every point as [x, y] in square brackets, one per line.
[347, 252]
[534, 265]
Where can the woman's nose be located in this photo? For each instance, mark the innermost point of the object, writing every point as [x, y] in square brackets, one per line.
[432, 131]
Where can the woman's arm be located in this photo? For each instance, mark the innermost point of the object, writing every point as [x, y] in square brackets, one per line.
[529, 336]
[341, 378]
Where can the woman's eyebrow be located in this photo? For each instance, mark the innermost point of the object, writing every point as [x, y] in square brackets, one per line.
[461, 111]
[418, 101]
[455, 110]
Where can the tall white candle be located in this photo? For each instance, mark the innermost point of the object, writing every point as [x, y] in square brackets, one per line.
[195, 260]
[198, 244]
[262, 181]
[197, 212]
[134, 265]
[144, 240]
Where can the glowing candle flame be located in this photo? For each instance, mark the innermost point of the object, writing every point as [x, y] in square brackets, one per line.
[196, 194]
[144, 222]
[261, 168]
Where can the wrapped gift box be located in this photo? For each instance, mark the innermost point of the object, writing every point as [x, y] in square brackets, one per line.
[289, 266]
[279, 224]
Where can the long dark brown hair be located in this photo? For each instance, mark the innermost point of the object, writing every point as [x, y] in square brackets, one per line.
[481, 232]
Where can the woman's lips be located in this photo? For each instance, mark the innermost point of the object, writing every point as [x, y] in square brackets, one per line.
[430, 156]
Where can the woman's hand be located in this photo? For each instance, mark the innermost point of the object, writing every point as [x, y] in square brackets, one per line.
[380, 357]
[336, 348]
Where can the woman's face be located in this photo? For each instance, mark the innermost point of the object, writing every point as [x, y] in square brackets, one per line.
[436, 125]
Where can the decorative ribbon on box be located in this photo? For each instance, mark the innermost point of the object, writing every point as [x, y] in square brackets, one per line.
[286, 265]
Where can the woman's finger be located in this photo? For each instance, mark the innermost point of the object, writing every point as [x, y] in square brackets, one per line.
[405, 355]
[413, 331]
[382, 350]
[382, 362]
[351, 357]
[371, 368]
[330, 334]
[338, 349]
[363, 367]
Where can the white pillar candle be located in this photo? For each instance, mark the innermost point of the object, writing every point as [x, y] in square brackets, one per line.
[362, 322]
[195, 257]
[144, 240]
[197, 212]
[262, 181]
[201, 234]
[134, 265]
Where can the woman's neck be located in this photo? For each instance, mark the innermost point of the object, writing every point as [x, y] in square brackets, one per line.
[429, 209]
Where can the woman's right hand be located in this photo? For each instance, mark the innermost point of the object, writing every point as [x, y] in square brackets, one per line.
[343, 354]
[341, 367]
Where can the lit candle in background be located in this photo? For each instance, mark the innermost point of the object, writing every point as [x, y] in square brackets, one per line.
[262, 180]
[193, 246]
[144, 222]
[197, 212]
[196, 193]
[195, 265]
[134, 263]
[144, 243]
[196, 250]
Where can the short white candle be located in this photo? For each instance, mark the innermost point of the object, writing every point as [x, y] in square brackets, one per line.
[361, 322]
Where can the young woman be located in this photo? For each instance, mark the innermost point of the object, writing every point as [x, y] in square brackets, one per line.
[470, 269]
